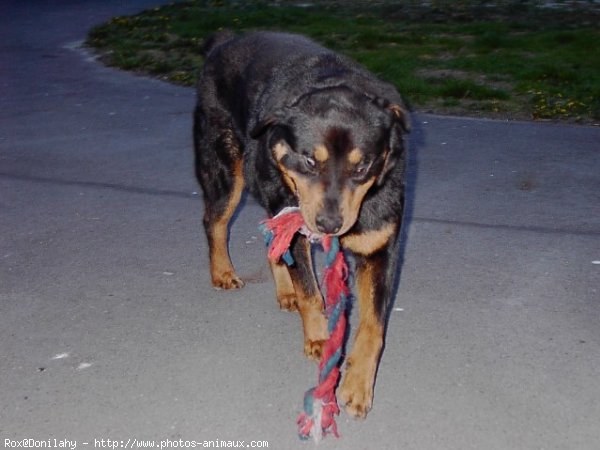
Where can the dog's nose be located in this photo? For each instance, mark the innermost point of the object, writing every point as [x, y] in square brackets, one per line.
[329, 223]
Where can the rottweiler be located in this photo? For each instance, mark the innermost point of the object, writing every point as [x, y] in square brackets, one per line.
[297, 124]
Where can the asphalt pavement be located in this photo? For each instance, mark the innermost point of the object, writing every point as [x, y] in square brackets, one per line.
[110, 330]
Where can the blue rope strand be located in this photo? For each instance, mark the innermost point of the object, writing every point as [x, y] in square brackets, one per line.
[335, 313]
[335, 248]
[309, 401]
[288, 258]
[328, 367]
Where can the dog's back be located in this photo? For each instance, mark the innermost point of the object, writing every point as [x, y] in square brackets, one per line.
[267, 71]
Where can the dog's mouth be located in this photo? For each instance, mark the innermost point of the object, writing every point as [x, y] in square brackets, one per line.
[325, 222]
[332, 217]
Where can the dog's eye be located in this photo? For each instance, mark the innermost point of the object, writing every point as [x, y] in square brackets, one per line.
[361, 169]
[311, 163]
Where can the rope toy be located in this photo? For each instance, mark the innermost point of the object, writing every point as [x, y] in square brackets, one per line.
[320, 404]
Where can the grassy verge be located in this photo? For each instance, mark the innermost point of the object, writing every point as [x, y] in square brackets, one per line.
[512, 59]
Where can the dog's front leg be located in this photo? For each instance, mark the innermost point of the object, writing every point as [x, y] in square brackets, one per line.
[375, 273]
[309, 301]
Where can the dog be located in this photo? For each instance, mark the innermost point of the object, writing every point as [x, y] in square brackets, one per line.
[297, 124]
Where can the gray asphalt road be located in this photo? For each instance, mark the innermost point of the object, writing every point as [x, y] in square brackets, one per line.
[109, 328]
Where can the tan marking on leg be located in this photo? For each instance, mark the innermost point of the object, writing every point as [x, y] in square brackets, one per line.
[311, 308]
[222, 272]
[355, 156]
[321, 153]
[314, 324]
[286, 294]
[356, 391]
[370, 241]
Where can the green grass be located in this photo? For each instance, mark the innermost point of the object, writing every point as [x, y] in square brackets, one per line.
[512, 60]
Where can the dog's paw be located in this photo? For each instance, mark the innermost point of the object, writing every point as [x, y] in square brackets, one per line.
[356, 392]
[315, 329]
[313, 349]
[227, 280]
[288, 302]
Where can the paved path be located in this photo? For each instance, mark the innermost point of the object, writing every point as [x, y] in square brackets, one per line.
[109, 328]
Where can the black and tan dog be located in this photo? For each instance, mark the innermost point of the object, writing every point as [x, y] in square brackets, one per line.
[299, 125]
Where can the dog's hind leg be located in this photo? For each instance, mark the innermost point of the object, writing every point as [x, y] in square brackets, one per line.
[216, 224]
[219, 171]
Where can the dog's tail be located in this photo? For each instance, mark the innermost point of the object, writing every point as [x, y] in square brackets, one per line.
[216, 40]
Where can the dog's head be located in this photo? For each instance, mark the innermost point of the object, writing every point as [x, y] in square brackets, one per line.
[332, 147]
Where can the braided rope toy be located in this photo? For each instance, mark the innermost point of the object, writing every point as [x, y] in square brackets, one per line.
[320, 404]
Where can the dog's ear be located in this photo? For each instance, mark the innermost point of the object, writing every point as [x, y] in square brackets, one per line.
[395, 153]
[400, 114]
[272, 130]
[262, 126]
